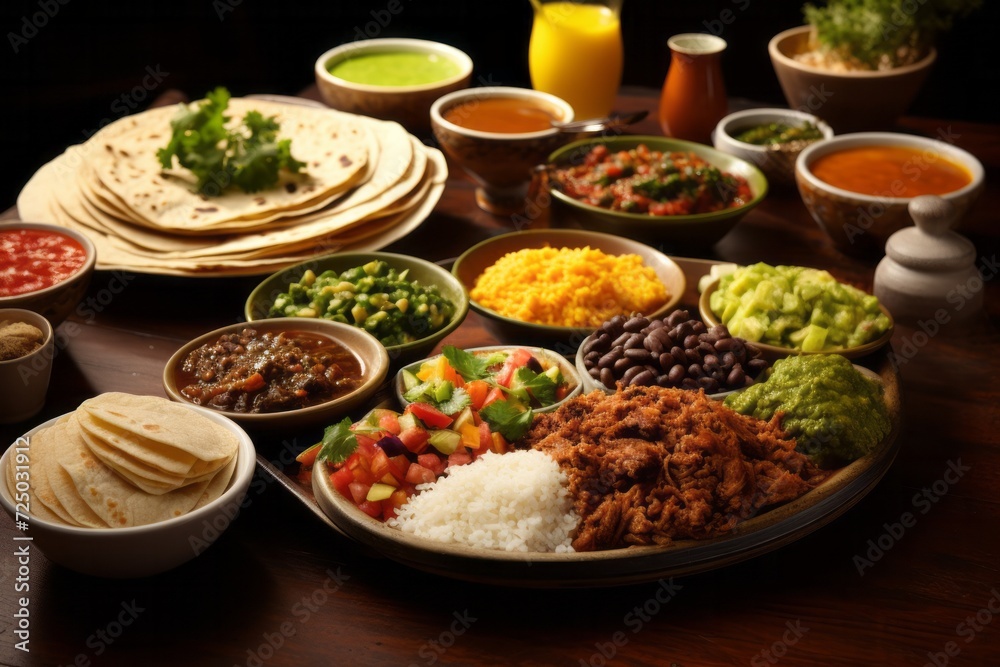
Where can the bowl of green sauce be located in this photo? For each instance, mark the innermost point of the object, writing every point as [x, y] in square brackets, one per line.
[392, 79]
[771, 139]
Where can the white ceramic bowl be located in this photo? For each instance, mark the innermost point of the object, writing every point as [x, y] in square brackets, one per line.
[860, 224]
[777, 162]
[408, 105]
[123, 553]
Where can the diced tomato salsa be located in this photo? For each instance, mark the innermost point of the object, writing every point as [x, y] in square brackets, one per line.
[33, 259]
[641, 180]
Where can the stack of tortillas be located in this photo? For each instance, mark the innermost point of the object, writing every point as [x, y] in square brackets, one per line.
[121, 460]
[366, 183]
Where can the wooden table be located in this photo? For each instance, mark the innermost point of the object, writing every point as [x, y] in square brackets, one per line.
[281, 588]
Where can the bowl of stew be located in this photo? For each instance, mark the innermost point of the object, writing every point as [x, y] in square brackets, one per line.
[276, 374]
[858, 186]
[45, 268]
[657, 190]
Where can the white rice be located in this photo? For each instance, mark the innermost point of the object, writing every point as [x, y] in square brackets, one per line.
[508, 502]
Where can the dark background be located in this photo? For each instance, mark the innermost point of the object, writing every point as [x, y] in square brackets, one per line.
[81, 57]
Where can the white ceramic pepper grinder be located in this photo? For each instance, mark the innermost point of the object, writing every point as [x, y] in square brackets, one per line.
[929, 271]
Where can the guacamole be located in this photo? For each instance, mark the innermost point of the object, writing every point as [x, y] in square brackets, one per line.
[834, 412]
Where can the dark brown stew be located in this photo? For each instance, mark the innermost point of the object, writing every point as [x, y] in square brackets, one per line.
[250, 372]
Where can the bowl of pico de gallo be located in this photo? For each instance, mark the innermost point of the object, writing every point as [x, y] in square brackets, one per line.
[652, 189]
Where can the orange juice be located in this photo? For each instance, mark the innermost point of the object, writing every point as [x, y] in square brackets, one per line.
[576, 53]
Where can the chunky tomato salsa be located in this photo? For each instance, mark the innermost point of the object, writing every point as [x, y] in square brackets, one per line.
[641, 180]
[33, 259]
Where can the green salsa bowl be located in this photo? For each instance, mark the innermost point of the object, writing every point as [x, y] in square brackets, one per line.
[392, 79]
[667, 232]
[426, 274]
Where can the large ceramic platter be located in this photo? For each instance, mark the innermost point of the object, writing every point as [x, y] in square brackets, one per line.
[763, 533]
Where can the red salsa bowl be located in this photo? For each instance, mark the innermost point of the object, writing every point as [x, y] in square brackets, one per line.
[44, 268]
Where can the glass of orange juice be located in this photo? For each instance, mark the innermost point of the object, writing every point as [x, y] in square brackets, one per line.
[575, 53]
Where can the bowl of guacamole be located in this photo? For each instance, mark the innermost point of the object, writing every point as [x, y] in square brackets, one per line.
[834, 409]
[392, 79]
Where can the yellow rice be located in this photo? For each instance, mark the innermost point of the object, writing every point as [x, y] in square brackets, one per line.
[572, 287]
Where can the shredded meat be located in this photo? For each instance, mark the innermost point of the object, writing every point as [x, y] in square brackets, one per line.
[648, 465]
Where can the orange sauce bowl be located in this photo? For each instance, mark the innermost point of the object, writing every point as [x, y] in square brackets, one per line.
[857, 187]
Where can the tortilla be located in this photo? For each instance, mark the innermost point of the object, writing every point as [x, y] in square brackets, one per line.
[395, 191]
[72, 484]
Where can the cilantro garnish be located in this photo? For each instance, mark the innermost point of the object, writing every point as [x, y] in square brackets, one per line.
[338, 442]
[248, 156]
[539, 385]
[428, 392]
[506, 419]
[466, 364]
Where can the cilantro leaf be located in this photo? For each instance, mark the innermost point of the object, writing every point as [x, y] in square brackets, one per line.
[249, 156]
[338, 442]
[541, 387]
[466, 364]
[429, 392]
[506, 419]
[459, 400]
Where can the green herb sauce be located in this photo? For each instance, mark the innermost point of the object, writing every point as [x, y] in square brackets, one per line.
[395, 68]
[834, 412]
[770, 134]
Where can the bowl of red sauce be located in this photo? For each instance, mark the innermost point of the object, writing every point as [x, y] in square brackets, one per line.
[858, 186]
[277, 374]
[498, 135]
[44, 268]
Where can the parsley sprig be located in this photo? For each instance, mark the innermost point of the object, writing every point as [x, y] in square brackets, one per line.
[248, 156]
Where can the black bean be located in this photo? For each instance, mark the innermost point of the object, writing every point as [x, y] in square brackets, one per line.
[595, 373]
[738, 349]
[728, 359]
[736, 377]
[621, 340]
[638, 354]
[676, 373]
[756, 365]
[678, 352]
[692, 356]
[691, 340]
[631, 373]
[695, 371]
[611, 357]
[635, 324]
[590, 359]
[621, 366]
[643, 379]
[666, 361]
[720, 331]
[663, 335]
[676, 317]
[706, 348]
[607, 378]
[664, 381]
[725, 344]
[653, 326]
[689, 383]
[653, 344]
[634, 341]
[710, 385]
[600, 342]
[711, 362]
[698, 327]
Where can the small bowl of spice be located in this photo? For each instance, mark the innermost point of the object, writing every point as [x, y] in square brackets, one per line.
[771, 139]
[276, 374]
[26, 350]
[44, 268]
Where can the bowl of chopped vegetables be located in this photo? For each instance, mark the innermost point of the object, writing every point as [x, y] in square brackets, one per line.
[653, 189]
[771, 139]
[407, 303]
[786, 310]
[511, 379]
